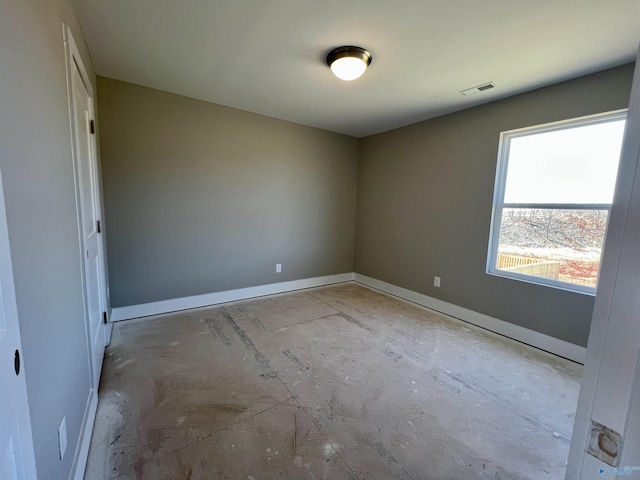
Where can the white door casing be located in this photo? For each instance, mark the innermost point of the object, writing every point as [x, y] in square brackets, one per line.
[89, 207]
[17, 459]
[606, 438]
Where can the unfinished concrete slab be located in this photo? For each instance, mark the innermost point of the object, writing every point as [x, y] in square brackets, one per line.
[328, 383]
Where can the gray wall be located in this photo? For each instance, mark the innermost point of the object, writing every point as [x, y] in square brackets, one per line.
[424, 204]
[203, 198]
[37, 174]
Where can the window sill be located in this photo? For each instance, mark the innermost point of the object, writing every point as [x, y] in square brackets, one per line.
[567, 287]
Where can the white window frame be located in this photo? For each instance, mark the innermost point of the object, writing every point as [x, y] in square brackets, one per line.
[499, 191]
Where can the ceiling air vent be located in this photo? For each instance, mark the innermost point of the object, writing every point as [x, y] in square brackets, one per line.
[478, 89]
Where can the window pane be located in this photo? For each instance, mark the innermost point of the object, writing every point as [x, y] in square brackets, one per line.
[563, 245]
[576, 165]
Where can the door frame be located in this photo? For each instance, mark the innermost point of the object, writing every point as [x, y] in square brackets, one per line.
[73, 57]
[73, 60]
[608, 408]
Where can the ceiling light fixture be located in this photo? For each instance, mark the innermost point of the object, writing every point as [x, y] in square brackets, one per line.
[348, 63]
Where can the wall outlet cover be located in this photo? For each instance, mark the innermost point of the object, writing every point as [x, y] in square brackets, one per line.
[605, 444]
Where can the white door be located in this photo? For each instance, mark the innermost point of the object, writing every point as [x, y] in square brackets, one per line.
[606, 436]
[90, 228]
[16, 447]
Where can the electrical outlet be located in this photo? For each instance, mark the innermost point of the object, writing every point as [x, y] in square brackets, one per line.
[436, 281]
[62, 437]
[278, 267]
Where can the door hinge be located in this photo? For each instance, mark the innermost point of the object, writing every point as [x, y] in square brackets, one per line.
[104, 318]
[99, 226]
[92, 127]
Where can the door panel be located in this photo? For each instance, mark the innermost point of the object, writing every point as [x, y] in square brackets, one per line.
[8, 464]
[16, 444]
[89, 200]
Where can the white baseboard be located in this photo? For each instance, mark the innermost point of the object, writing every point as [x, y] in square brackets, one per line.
[82, 450]
[196, 301]
[516, 332]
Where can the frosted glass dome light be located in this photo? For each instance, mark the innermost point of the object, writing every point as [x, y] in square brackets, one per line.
[348, 68]
[348, 63]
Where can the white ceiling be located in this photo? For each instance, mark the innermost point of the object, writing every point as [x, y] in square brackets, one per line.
[268, 56]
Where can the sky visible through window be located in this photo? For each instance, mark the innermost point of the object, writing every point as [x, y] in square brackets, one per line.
[576, 165]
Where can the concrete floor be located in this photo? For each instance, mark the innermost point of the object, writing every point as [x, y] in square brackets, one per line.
[337, 382]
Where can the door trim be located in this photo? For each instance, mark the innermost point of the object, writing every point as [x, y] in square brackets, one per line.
[74, 60]
[84, 441]
[612, 369]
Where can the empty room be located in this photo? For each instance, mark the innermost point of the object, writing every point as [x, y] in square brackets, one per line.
[319, 240]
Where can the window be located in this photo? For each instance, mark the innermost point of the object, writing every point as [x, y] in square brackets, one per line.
[553, 194]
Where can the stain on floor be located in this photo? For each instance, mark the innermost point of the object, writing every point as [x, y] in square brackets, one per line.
[338, 382]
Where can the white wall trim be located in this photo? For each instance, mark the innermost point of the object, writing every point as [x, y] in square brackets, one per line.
[539, 340]
[82, 450]
[196, 301]
[516, 332]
